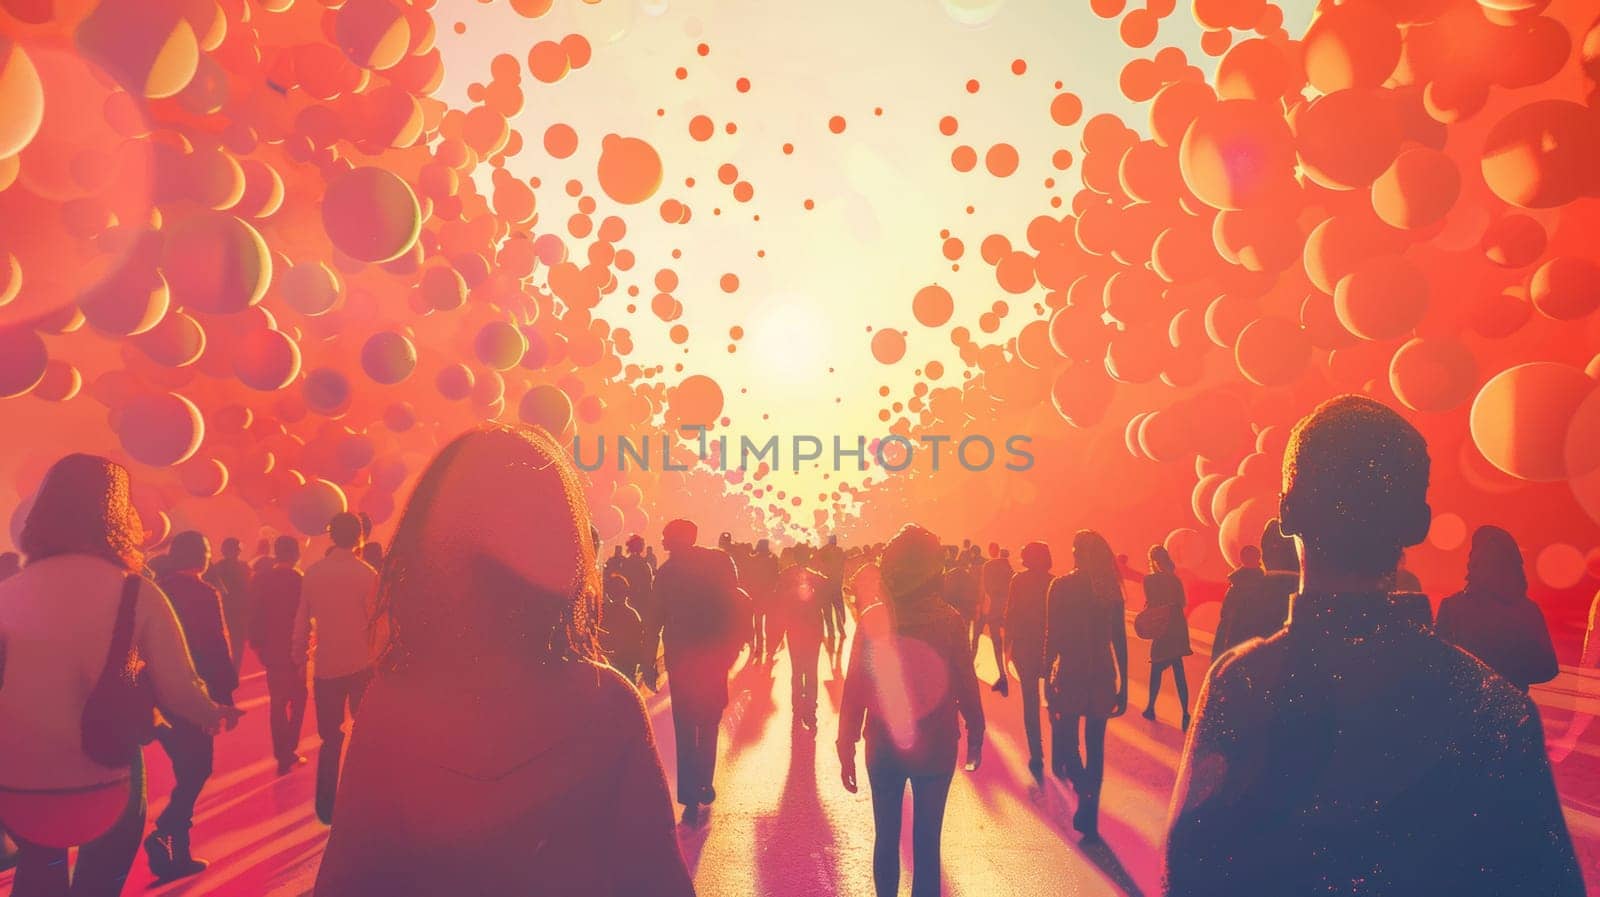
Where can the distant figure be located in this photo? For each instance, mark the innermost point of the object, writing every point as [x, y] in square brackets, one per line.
[759, 576]
[963, 591]
[650, 558]
[191, 748]
[1163, 595]
[830, 563]
[372, 553]
[275, 592]
[265, 557]
[1025, 637]
[338, 598]
[697, 588]
[1493, 619]
[1588, 672]
[57, 621]
[1257, 601]
[1354, 752]
[802, 597]
[1086, 650]
[910, 680]
[640, 573]
[230, 576]
[10, 565]
[497, 754]
[996, 582]
[621, 632]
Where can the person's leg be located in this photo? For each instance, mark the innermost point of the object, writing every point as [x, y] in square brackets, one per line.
[684, 733]
[331, 695]
[928, 797]
[1180, 680]
[1030, 721]
[103, 864]
[358, 690]
[997, 641]
[1087, 818]
[1067, 755]
[278, 712]
[888, 788]
[1155, 688]
[41, 871]
[710, 734]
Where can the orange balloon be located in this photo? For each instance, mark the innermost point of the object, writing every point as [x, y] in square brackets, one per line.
[1272, 351]
[630, 169]
[1417, 190]
[696, 401]
[132, 302]
[1433, 374]
[1513, 241]
[371, 214]
[888, 346]
[1347, 138]
[266, 360]
[149, 47]
[159, 429]
[1256, 69]
[1519, 420]
[1351, 45]
[373, 34]
[933, 306]
[548, 407]
[1082, 394]
[22, 360]
[1237, 154]
[1340, 244]
[1383, 298]
[1566, 288]
[1542, 155]
[1175, 106]
[178, 341]
[21, 95]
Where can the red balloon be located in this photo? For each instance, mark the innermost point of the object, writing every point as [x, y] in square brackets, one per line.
[22, 360]
[388, 357]
[159, 429]
[1238, 154]
[1383, 298]
[1272, 351]
[1566, 288]
[1417, 190]
[1352, 45]
[314, 504]
[266, 360]
[1520, 418]
[1082, 394]
[548, 407]
[1347, 138]
[1433, 374]
[1542, 155]
[500, 345]
[327, 392]
[1513, 241]
[215, 263]
[371, 214]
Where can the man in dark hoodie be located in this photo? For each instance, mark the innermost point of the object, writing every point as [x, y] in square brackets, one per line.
[1355, 752]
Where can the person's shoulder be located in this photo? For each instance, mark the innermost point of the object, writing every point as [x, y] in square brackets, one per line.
[1251, 662]
[615, 698]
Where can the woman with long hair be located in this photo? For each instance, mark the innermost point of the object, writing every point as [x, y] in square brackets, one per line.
[1169, 645]
[909, 683]
[1493, 619]
[57, 619]
[496, 752]
[1086, 654]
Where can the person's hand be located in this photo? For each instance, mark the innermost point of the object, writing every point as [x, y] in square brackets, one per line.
[228, 717]
[847, 772]
[974, 756]
[1121, 706]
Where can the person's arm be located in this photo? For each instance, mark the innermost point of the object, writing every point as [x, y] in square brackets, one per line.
[964, 680]
[177, 684]
[852, 712]
[1535, 849]
[1119, 647]
[644, 823]
[1222, 639]
[300, 644]
[209, 640]
[1204, 831]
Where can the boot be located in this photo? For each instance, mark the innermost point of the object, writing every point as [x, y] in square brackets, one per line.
[183, 863]
[1003, 686]
[1036, 768]
[158, 853]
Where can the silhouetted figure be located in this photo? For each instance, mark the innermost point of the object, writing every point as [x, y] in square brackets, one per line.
[10, 565]
[697, 590]
[275, 592]
[909, 682]
[963, 591]
[759, 576]
[1163, 595]
[372, 553]
[613, 563]
[996, 583]
[641, 574]
[1493, 619]
[1354, 752]
[337, 600]
[1086, 652]
[230, 576]
[1588, 664]
[1025, 636]
[265, 557]
[621, 633]
[497, 753]
[801, 596]
[58, 618]
[830, 563]
[190, 747]
[650, 558]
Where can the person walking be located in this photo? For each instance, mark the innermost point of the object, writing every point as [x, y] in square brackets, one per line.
[190, 748]
[802, 597]
[1164, 607]
[497, 753]
[911, 651]
[1086, 648]
[996, 583]
[276, 594]
[1025, 643]
[337, 601]
[78, 607]
[1493, 619]
[622, 632]
[230, 576]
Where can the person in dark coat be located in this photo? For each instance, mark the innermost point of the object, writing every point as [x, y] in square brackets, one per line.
[1025, 632]
[995, 579]
[910, 652]
[230, 576]
[191, 748]
[622, 633]
[1493, 619]
[275, 597]
[698, 591]
[759, 575]
[1163, 593]
[1354, 751]
[1086, 652]
[641, 575]
[802, 597]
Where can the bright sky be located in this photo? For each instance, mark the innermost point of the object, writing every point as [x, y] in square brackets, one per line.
[883, 189]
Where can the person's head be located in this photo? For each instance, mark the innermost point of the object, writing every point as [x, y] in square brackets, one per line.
[1277, 550]
[1092, 555]
[679, 534]
[1355, 489]
[763, 546]
[1005, 554]
[994, 549]
[190, 553]
[1160, 560]
[617, 589]
[372, 553]
[10, 563]
[84, 506]
[833, 540]
[911, 564]
[635, 543]
[725, 541]
[1494, 565]
[1036, 556]
[1249, 557]
[616, 551]
[345, 531]
[802, 554]
[263, 546]
[286, 549]
[491, 558]
[231, 548]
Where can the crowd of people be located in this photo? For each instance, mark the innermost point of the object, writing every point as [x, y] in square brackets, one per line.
[1327, 751]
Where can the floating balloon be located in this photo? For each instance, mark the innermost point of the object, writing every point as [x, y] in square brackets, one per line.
[159, 429]
[22, 96]
[371, 214]
[1433, 374]
[1542, 155]
[313, 505]
[888, 346]
[388, 357]
[548, 407]
[1566, 288]
[932, 306]
[696, 401]
[1520, 418]
[22, 360]
[1237, 154]
[1272, 351]
[1417, 190]
[310, 288]
[150, 48]
[215, 263]
[1352, 45]
[629, 169]
[1383, 298]
[266, 360]
[500, 345]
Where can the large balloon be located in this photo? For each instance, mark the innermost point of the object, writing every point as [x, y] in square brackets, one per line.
[1542, 155]
[215, 263]
[1433, 374]
[1237, 154]
[266, 360]
[1566, 288]
[159, 429]
[1521, 416]
[629, 169]
[1383, 298]
[388, 357]
[371, 214]
[548, 407]
[22, 360]
[21, 95]
[313, 505]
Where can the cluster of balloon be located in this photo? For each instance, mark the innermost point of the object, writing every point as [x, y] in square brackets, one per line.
[268, 209]
[1395, 202]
